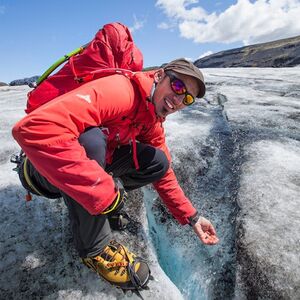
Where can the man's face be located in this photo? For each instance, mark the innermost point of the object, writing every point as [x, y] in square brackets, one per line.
[165, 100]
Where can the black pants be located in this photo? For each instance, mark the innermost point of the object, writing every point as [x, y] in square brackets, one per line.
[91, 233]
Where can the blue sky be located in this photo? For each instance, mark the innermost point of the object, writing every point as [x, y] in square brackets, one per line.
[35, 33]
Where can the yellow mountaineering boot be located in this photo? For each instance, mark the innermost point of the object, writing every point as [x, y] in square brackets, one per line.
[120, 267]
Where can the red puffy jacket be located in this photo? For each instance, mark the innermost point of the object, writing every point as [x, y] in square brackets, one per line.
[49, 137]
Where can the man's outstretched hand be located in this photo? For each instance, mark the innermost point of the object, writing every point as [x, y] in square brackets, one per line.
[206, 231]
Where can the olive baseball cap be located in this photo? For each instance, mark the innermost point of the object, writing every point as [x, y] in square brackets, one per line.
[183, 66]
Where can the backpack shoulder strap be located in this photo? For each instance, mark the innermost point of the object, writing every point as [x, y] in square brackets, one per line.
[103, 73]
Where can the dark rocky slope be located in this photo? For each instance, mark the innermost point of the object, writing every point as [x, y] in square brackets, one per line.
[24, 81]
[281, 53]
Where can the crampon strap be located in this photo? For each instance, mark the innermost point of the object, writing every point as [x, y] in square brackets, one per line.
[132, 274]
[134, 278]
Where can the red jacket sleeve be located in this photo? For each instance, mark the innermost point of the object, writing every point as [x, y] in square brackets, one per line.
[167, 187]
[49, 137]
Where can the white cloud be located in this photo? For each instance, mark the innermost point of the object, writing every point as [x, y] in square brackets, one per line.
[177, 9]
[137, 25]
[165, 25]
[246, 21]
[205, 54]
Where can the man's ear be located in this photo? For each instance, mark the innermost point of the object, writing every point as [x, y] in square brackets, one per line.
[158, 75]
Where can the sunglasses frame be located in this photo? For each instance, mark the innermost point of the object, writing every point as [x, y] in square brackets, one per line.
[173, 77]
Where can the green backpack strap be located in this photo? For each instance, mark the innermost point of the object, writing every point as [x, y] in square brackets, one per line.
[58, 63]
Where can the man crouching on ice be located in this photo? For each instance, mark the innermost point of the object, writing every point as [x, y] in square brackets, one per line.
[93, 143]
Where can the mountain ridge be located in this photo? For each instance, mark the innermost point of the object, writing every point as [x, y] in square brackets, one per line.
[278, 53]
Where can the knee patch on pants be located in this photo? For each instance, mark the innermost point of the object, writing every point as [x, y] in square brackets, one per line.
[29, 180]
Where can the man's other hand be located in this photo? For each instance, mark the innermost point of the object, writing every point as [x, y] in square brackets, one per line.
[206, 231]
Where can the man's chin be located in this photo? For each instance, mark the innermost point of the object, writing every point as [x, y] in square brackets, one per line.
[165, 113]
[161, 116]
[162, 113]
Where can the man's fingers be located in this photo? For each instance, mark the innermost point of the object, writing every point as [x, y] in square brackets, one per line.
[212, 230]
[210, 240]
[209, 229]
[207, 226]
